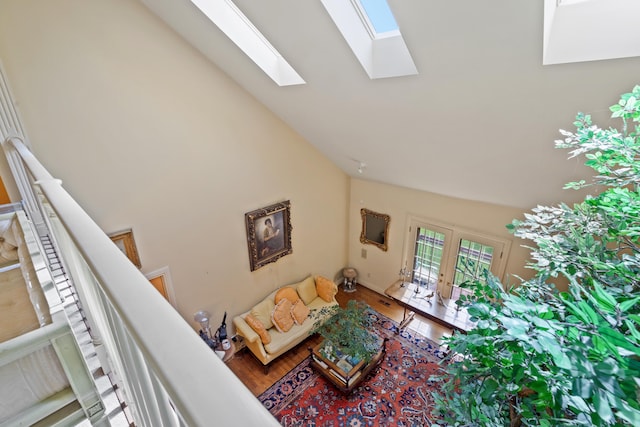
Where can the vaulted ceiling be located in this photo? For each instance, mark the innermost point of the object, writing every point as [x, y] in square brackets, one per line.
[477, 122]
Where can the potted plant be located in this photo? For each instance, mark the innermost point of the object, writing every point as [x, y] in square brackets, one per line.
[349, 330]
[543, 357]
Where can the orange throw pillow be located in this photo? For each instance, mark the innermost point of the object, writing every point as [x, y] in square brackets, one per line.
[281, 316]
[299, 312]
[287, 292]
[257, 326]
[326, 288]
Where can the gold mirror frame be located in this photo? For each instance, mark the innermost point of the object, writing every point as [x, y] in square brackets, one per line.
[375, 229]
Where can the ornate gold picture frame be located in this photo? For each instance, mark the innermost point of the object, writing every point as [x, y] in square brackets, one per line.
[268, 234]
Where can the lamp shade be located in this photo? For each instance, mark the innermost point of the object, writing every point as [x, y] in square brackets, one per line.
[202, 317]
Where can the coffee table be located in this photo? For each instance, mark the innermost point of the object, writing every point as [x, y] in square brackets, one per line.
[440, 310]
[342, 371]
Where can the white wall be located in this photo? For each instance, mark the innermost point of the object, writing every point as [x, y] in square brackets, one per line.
[147, 134]
[380, 269]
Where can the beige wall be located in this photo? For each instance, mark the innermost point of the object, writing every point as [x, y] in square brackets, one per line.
[146, 133]
[380, 269]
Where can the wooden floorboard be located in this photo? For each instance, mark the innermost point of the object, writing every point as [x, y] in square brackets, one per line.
[250, 371]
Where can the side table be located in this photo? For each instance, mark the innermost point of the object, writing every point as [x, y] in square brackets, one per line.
[226, 355]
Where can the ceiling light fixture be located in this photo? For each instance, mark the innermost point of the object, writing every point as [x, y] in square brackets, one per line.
[361, 167]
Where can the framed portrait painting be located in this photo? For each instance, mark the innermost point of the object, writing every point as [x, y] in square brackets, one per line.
[268, 234]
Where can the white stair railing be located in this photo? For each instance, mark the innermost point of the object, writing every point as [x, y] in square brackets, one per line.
[169, 376]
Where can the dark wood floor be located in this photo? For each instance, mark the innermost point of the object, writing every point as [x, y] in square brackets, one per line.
[251, 372]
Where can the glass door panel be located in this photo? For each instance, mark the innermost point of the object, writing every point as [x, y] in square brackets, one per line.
[473, 260]
[429, 256]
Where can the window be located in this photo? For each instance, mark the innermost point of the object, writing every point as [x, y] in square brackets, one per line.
[590, 30]
[378, 16]
[370, 30]
[444, 257]
[231, 21]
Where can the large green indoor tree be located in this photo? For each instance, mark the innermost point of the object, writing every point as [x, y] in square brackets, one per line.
[541, 357]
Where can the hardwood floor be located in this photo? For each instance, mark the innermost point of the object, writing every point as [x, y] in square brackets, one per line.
[251, 372]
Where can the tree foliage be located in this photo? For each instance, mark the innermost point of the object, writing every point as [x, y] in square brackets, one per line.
[543, 357]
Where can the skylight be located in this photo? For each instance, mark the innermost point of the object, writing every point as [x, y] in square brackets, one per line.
[590, 30]
[379, 15]
[231, 21]
[371, 31]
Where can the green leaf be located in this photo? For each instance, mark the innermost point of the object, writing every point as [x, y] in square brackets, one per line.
[605, 299]
[578, 403]
[602, 407]
[617, 339]
[625, 411]
[490, 386]
[632, 329]
[577, 311]
[586, 308]
[515, 327]
[626, 305]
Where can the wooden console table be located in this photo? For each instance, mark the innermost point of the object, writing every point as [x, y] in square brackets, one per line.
[444, 312]
[340, 372]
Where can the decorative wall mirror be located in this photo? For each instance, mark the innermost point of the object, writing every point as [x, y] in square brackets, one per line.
[375, 229]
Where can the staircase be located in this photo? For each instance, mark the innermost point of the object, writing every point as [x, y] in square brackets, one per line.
[116, 412]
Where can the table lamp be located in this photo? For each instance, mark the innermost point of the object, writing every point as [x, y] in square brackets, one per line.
[202, 317]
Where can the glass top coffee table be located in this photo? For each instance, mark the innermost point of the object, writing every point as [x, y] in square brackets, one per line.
[440, 310]
[343, 371]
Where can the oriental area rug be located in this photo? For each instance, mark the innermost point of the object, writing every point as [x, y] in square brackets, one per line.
[398, 393]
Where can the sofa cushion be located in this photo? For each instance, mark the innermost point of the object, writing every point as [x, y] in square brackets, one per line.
[281, 317]
[299, 312]
[257, 326]
[262, 311]
[286, 292]
[326, 288]
[294, 336]
[307, 290]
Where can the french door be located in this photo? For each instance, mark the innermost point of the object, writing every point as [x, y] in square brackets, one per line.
[442, 258]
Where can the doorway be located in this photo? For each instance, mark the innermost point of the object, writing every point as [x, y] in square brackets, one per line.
[161, 280]
[441, 258]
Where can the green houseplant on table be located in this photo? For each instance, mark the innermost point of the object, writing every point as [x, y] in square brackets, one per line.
[546, 358]
[349, 330]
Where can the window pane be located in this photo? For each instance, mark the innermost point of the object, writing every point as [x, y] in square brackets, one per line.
[379, 15]
[428, 256]
[472, 261]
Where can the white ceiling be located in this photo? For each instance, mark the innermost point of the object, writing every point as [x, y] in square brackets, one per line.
[479, 120]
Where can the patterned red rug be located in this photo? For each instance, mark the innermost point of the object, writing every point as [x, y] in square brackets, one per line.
[398, 393]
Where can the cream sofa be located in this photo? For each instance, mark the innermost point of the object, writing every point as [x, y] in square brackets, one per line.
[267, 344]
